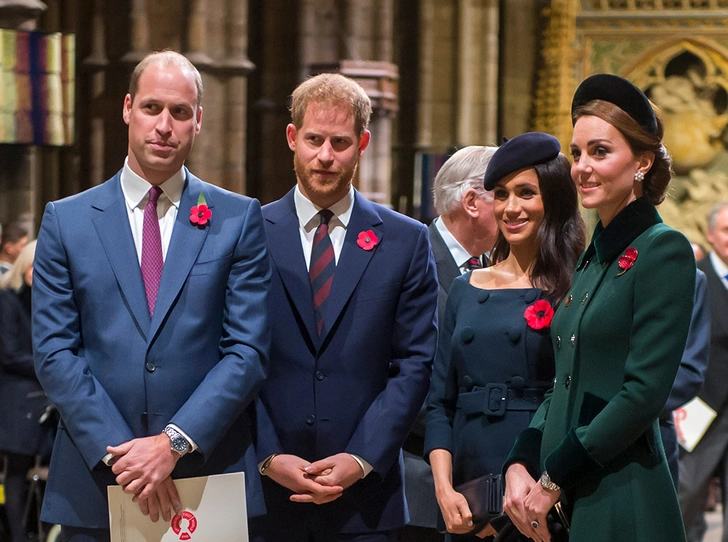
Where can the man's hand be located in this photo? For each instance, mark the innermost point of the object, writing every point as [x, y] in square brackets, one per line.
[142, 464]
[164, 498]
[290, 472]
[336, 470]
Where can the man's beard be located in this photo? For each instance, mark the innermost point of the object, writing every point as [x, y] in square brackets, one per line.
[305, 174]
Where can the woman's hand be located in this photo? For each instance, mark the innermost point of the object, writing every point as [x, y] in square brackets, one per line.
[518, 486]
[538, 502]
[455, 511]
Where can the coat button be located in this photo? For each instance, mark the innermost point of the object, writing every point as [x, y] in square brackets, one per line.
[310, 419]
[583, 299]
[558, 341]
[517, 382]
[568, 300]
[568, 382]
[150, 367]
[467, 335]
[573, 339]
[320, 375]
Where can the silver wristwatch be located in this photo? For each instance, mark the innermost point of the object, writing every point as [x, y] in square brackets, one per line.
[546, 482]
[178, 442]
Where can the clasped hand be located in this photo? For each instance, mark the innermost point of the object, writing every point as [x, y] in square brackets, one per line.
[143, 467]
[527, 501]
[319, 482]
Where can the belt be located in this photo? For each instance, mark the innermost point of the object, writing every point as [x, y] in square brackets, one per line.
[495, 399]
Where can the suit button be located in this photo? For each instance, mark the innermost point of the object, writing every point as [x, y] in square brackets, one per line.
[568, 382]
[558, 342]
[320, 375]
[310, 419]
[150, 367]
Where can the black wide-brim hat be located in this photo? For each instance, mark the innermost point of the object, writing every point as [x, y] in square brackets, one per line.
[523, 151]
[620, 92]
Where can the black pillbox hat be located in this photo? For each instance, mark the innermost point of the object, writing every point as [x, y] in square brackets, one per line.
[523, 151]
[620, 92]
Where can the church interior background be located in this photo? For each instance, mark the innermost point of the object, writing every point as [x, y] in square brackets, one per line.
[441, 73]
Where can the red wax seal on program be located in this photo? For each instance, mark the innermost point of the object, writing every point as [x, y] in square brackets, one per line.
[184, 525]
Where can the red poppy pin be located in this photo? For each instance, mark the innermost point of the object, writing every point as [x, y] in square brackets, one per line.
[627, 260]
[200, 214]
[539, 315]
[367, 240]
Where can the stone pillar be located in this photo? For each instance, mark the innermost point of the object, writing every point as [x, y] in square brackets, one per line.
[139, 33]
[19, 163]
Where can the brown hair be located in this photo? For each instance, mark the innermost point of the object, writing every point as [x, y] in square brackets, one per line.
[331, 90]
[166, 58]
[561, 235]
[657, 179]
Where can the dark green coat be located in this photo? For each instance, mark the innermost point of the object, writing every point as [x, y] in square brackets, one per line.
[618, 337]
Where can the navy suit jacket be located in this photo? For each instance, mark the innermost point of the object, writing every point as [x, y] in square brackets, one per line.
[115, 373]
[359, 386]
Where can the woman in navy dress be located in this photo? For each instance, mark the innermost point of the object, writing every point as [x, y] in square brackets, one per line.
[494, 342]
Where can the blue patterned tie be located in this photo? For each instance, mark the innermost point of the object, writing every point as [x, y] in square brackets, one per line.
[321, 270]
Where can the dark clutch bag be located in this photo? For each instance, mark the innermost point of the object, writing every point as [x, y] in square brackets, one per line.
[485, 499]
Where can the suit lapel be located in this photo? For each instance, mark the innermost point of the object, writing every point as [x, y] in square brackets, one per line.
[184, 247]
[352, 261]
[447, 268]
[112, 226]
[284, 244]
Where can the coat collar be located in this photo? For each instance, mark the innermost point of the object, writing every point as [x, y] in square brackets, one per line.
[631, 222]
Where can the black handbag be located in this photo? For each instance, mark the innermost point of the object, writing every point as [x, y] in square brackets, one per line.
[485, 500]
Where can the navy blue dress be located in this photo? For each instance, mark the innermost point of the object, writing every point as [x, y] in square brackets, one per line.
[486, 352]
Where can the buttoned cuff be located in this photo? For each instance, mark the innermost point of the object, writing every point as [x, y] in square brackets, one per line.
[366, 468]
[570, 462]
[526, 450]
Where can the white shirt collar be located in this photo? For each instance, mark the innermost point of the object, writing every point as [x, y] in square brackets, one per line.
[306, 210]
[135, 188]
[459, 254]
[719, 265]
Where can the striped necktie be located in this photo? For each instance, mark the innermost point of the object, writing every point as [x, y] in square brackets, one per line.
[321, 270]
[472, 263]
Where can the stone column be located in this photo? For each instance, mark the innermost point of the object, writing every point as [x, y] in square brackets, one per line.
[19, 163]
[139, 33]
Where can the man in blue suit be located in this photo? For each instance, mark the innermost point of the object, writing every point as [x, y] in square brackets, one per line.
[150, 319]
[354, 297]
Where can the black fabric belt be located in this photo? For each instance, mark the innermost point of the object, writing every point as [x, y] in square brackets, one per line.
[496, 399]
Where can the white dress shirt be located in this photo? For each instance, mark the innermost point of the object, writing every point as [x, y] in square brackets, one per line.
[308, 221]
[459, 254]
[136, 195]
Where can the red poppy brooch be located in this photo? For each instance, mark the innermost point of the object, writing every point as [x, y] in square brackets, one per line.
[367, 240]
[627, 260]
[539, 315]
[200, 214]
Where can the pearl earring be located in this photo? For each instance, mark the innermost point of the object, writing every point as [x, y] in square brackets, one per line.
[639, 177]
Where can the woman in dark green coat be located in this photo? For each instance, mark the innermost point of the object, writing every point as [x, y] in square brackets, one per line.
[618, 338]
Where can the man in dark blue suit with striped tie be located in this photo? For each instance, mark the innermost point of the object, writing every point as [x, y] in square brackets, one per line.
[353, 300]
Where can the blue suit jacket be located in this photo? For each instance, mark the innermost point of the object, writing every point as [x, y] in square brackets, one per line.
[357, 388]
[115, 373]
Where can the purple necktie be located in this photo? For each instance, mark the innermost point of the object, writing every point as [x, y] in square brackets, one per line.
[152, 261]
[321, 270]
